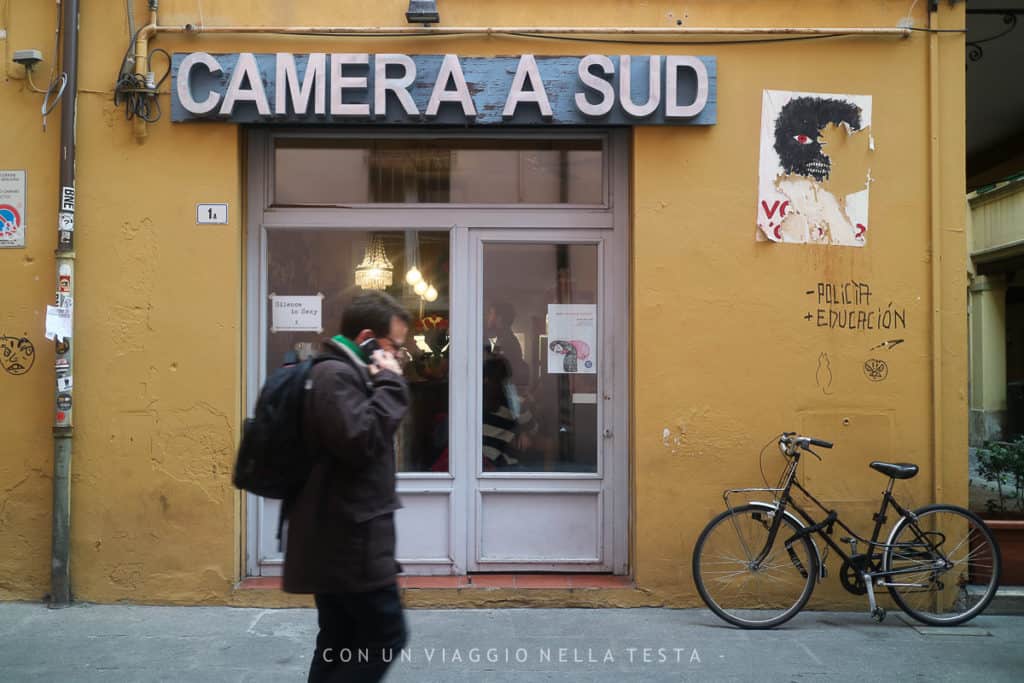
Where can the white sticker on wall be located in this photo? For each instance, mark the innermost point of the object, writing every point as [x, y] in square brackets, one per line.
[12, 209]
[296, 313]
[572, 339]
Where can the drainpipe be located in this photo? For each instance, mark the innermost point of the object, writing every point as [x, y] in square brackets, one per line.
[935, 220]
[63, 430]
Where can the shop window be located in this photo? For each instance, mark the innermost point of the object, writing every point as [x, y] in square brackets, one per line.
[345, 171]
[541, 357]
[308, 263]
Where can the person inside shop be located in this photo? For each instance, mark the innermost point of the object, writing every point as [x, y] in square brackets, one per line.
[498, 321]
[508, 426]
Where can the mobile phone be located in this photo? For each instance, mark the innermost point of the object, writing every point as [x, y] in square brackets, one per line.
[369, 346]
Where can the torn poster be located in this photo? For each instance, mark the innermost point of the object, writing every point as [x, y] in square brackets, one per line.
[572, 339]
[58, 323]
[814, 169]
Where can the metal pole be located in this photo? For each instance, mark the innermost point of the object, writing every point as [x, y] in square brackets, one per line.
[63, 430]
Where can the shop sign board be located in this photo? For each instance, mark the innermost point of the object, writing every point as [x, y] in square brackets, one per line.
[365, 88]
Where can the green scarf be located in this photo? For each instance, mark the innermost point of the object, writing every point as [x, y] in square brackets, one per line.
[352, 346]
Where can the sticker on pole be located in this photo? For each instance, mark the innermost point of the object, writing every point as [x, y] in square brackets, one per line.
[12, 209]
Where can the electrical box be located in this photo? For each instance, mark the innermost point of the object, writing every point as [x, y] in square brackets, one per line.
[27, 58]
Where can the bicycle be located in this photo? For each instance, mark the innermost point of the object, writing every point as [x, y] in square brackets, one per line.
[755, 565]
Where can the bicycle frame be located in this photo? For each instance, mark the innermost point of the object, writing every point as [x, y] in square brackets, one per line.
[867, 565]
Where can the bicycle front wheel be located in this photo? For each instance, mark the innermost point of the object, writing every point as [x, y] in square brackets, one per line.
[937, 555]
[743, 589]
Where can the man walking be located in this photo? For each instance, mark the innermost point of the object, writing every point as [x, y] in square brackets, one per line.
[340, 539]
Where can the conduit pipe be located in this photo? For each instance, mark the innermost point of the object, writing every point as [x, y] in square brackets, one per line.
[935, 210]
[539, 30]
[142, 59]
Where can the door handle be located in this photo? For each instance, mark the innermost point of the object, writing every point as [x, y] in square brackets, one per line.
[607, 433]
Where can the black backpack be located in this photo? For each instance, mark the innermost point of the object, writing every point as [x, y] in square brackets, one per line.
[273, 461]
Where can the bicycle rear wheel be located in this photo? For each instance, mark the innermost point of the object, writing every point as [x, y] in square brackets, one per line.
[739, 589]
[938, 554]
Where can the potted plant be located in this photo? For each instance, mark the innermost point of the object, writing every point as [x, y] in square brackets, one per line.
[1001, 464]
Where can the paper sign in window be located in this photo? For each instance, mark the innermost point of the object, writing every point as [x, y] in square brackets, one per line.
[572, 339]
[296, 313]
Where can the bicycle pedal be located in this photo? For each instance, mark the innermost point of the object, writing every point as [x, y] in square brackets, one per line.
[878, 614]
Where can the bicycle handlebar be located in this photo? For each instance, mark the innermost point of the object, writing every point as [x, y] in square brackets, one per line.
[792, 439]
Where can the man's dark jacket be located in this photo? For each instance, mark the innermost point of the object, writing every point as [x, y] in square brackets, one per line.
[341, 530]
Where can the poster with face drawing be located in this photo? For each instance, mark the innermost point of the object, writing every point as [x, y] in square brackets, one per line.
[815, 168]
[572, 339]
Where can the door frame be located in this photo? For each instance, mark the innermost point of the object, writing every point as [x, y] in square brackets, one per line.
[612, 218]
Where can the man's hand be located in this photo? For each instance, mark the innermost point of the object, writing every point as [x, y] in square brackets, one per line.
[384, 360]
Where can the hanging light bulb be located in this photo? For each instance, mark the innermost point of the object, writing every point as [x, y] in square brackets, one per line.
[421, 287]
[431, 294]
[413, 276]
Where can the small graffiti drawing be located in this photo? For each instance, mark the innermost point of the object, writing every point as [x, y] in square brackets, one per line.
[567, 349]
[17, 355]
[823, 376]
[875, 369]
[887, 345]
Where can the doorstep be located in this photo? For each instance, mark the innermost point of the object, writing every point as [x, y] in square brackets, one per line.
[480, 581]
[1008, 599]
[480, 590]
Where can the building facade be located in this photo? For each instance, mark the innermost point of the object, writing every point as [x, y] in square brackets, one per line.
[636, 243]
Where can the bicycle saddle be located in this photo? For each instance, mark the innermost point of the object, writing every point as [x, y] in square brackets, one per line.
[896, 470]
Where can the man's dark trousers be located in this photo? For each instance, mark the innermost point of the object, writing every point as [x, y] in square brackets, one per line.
[361, 634]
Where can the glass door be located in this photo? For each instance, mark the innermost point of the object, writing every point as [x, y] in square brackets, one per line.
[543, 389]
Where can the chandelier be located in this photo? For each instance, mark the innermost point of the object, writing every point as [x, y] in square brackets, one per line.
[375, 272]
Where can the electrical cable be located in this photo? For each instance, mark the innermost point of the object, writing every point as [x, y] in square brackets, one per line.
[937, 30]
[31, 83]
[48, 105]
[598, 39]
[61, 81]
[129, 8]
[136, 91]
[668, 43]
[764, 477]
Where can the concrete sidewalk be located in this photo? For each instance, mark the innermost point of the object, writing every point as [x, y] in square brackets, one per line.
[134, 643]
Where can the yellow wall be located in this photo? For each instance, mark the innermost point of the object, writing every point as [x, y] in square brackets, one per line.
[722, 358]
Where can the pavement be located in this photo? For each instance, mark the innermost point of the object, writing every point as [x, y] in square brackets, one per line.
[113, 643]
